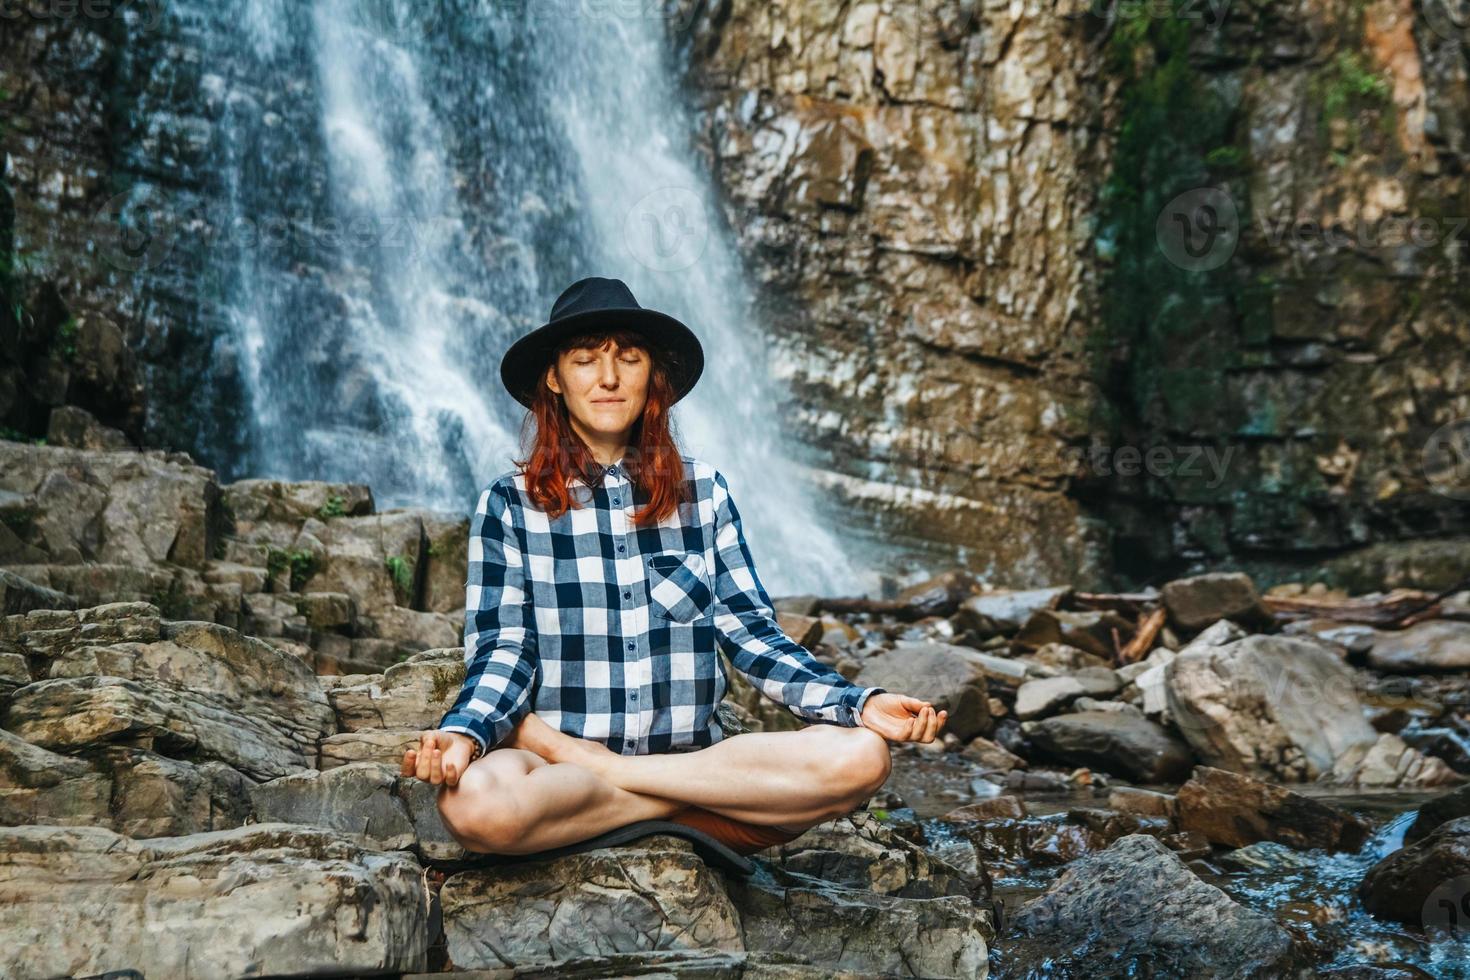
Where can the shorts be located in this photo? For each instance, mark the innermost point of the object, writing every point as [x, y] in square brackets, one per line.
[739, 836]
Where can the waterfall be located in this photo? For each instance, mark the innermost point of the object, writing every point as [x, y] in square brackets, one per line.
[406, 187]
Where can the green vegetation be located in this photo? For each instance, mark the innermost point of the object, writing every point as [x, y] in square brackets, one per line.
[66, 339]
[400, 570]
[335, 506]
[1345, 89]
[303, 565]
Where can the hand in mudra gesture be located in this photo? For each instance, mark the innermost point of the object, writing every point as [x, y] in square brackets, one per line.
[900, 718]
[441, 757]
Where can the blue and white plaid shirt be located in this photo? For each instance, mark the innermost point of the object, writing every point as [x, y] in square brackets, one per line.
[610, 631]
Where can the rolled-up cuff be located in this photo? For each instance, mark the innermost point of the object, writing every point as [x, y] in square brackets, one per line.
[856, 701]
[473, 727]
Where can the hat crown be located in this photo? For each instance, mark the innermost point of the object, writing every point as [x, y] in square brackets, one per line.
[593, 293]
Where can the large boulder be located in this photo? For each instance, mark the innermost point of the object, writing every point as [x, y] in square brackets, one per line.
[1439, 810]
[1235, 810]
[135, 509]
[265, 899]
[1427, 647]
[656, 894]
[1405, 886]
[1134, 910]
[1273, 707]
[1119, 743]
[948, 676]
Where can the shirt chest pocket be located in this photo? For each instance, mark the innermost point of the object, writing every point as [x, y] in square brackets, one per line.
[677, 589]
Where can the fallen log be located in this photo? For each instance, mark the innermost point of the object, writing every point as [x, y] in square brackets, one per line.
[1387, 610]
[1143, 640]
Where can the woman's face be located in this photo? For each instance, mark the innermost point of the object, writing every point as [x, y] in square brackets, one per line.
[605, 389]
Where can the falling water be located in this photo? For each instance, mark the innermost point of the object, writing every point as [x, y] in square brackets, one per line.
[443, 171]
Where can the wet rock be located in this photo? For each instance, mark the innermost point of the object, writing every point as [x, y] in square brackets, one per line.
[1202, 600]
[1274, 707]
[1401, 885]
[1236, 810]
[1433, 645]
[1109, 825]
[1269, 856]
[1121, 744]
[945, 675]
[668, 964]
[265, 899]
[1353, 639]
[1135, 908]
[654, 894]
[1440, 810]
[863, 852]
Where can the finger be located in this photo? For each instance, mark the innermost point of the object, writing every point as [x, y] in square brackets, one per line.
[943, 717]
[410, 763]
[933, 727]
[426, 760]
[912, 703]
[436, 768]
[451, 774]
[921, 726]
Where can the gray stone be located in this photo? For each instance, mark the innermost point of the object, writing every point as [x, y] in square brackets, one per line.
[1433, 645]
[1136, 903]
[947, 676]
[265, 899]
[1122, 744]
[1203, 600]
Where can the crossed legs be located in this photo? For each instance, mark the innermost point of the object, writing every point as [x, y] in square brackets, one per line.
[543, 788]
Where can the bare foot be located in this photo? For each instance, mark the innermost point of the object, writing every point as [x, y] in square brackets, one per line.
[554, 745]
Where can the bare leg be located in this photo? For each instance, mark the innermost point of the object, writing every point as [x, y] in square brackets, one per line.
[772, 778]
[512, 801]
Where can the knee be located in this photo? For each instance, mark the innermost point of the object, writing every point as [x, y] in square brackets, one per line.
[481, 815]
[861, 761]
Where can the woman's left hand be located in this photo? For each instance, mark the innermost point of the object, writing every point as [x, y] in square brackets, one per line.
[900, 718]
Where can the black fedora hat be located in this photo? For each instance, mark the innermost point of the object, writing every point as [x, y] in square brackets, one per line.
[591, 304]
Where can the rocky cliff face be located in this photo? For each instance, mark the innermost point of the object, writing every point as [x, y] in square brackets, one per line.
[1065, 296]
[1138, 293]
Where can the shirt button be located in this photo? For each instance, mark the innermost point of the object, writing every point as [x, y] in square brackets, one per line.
[615, 500]
[630, 646]
[627, 595]
[634, 695]
[620, 547]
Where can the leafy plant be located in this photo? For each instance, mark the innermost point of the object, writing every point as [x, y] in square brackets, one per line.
[336, 506]
[400, 570]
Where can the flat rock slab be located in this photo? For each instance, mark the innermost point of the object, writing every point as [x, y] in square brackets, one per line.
[266, 899]
[657, 894]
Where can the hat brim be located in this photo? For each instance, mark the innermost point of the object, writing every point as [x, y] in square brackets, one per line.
[526, 359]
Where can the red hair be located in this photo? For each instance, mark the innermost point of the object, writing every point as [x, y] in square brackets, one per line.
[654, 462]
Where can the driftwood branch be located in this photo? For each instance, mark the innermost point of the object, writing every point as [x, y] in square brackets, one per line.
[1143, 640]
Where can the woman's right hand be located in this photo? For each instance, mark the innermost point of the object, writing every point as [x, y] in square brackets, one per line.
[441, 757]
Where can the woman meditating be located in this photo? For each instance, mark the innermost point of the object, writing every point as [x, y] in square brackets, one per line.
[605, 574]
